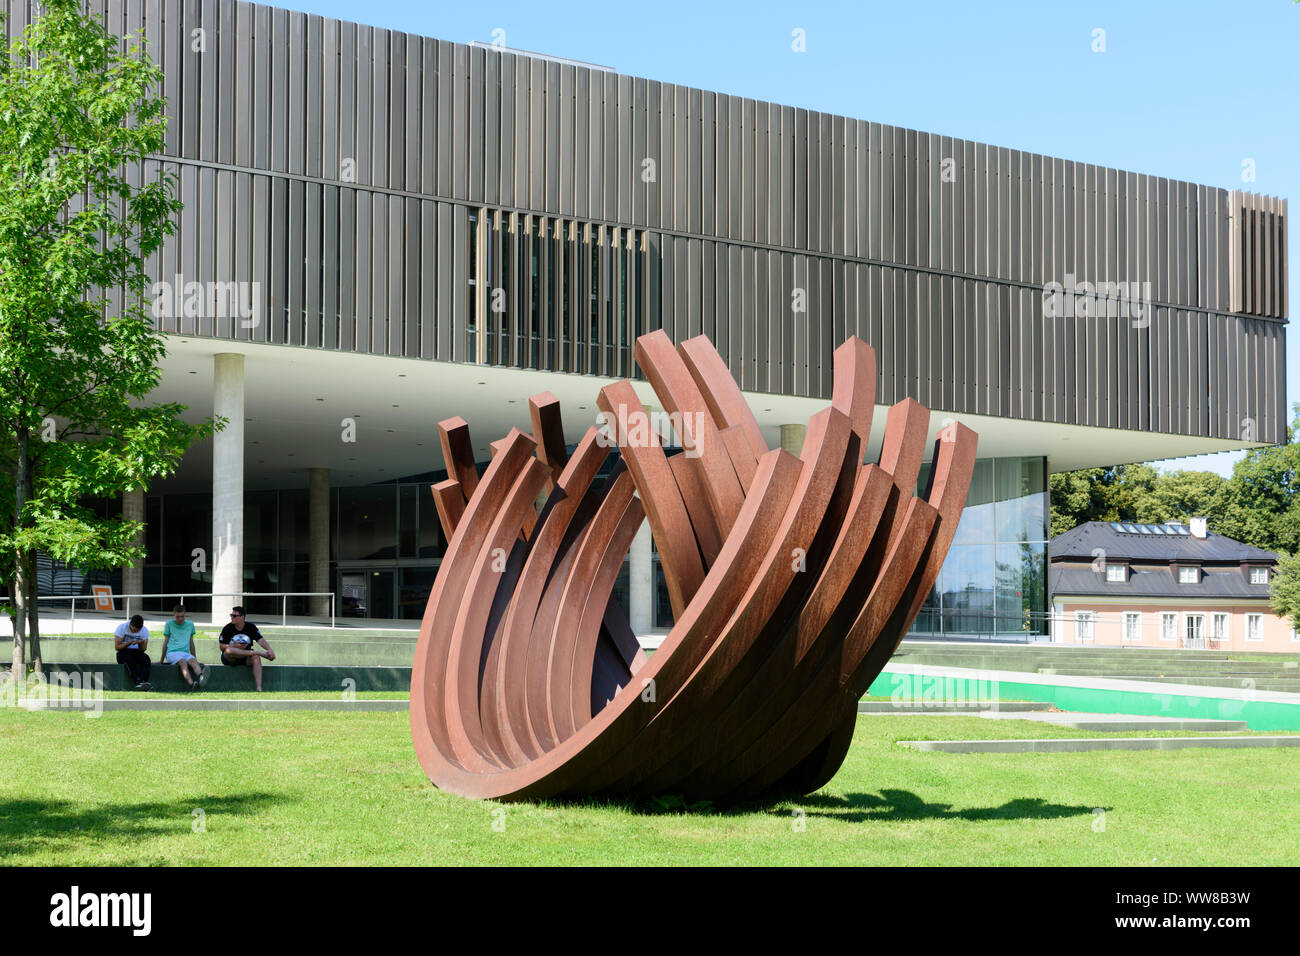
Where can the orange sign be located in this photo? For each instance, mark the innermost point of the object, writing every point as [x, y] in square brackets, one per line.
[103, 597]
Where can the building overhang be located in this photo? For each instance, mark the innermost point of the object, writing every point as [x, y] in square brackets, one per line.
[296, 399]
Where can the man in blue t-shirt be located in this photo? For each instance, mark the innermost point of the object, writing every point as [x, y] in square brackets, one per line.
[130, 640]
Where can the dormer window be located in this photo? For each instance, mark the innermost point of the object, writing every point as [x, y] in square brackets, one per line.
[1259, 575]
[1189, 575]
[1116, 572]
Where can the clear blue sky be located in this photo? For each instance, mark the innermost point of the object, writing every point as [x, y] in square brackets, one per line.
[1186, 90]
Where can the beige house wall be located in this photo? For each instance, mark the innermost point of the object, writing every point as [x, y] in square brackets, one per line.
[1276, 633]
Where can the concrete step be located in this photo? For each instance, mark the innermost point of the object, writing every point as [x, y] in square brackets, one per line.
[275, 677]
[909, 706]
[271, 633]
[1122, 722]
[372, 652]
[197, 702]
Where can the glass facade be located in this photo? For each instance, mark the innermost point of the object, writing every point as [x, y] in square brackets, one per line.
[994, 582]
[386, 543]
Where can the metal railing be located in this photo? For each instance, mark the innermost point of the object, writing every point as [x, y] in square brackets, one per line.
[283, 595]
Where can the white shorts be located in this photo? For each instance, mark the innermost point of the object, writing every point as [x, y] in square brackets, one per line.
[175, 657]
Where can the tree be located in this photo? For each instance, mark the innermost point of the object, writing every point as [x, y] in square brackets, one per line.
[1284, 590]
[1180, 496]
[1260, 503]
[78, 115]
[1099, 494]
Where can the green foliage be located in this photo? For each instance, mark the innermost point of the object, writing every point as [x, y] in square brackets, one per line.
[1285, 589]
[79, 352]
[1261, 501]
[1259, 504]
[1116, 493]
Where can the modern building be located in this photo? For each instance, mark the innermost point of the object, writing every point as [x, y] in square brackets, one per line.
[1164, 585]
[382, 230]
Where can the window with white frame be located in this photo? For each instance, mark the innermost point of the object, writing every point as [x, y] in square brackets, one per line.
[1188, 576]
[1132, 626]
[1259, 575]
[1168, 626]
[1254, 627]
[1083, 625]
[1295, 634]
[1219, 627]
[1115, 572]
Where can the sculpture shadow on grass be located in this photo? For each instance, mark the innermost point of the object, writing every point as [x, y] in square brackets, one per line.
[904, 805]
[885, 806]
[27, 826]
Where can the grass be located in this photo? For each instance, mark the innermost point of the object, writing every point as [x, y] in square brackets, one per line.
[344, 788]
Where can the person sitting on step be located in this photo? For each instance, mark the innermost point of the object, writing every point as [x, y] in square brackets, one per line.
[179, 650]
[237, 648]
[130, 641]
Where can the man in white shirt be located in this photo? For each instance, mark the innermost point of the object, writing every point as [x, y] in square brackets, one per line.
[130, 641]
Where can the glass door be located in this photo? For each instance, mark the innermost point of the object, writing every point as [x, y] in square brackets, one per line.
[1195, 631]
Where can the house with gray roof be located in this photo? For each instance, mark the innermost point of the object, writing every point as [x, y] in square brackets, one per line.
[1164, 585]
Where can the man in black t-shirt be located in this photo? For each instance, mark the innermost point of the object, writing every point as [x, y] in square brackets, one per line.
[237, 650]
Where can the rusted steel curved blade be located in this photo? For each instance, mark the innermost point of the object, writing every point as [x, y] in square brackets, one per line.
[703, 450]
[669, 520]
[458, 454]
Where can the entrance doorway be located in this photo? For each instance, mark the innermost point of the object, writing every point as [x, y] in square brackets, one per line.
[367, 593]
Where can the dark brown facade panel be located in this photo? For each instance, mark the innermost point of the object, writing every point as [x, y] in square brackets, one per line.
[340, 109]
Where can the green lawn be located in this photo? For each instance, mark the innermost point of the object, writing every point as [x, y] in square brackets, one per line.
[344, 788]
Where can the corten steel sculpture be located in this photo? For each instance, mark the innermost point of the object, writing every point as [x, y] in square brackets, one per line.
[792, 580]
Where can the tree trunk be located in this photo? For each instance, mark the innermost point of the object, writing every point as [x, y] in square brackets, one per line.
[21, 481]
[34, 616]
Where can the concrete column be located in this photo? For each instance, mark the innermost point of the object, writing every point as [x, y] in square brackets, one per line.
[133, 574]
[227, 559]
[792, 438]
[641, 582]
[318, 571]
